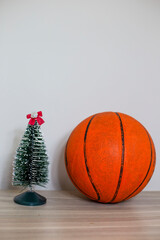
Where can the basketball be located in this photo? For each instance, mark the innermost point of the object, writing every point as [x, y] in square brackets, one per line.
[110, 157]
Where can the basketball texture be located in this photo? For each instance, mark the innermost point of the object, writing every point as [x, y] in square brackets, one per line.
[110, 157]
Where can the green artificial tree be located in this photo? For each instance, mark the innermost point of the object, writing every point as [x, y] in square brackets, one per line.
[30, 165]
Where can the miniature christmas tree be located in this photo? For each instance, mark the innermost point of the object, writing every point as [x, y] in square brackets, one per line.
[30, 166]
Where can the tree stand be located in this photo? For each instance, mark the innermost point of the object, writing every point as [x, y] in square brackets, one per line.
[30, 198]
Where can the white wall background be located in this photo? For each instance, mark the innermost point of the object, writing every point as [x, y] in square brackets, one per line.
[73, 58]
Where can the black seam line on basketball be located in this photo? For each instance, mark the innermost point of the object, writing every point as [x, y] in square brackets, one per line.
[122, 159]
[147, 170]
[154, 161]
[66, 154]
[85, 158]
[70, 175]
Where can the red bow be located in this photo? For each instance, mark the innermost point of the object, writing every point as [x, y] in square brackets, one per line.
[35, 116]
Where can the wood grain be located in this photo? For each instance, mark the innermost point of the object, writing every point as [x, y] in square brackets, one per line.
[70, 215]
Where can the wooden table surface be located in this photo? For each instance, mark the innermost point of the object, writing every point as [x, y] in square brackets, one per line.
[69, 215]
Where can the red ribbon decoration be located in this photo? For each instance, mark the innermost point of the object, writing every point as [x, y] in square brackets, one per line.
[33, 119]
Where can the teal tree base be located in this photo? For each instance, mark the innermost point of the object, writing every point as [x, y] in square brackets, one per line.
[30, 198]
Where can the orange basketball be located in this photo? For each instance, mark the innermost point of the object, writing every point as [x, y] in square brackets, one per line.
[110, 157]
